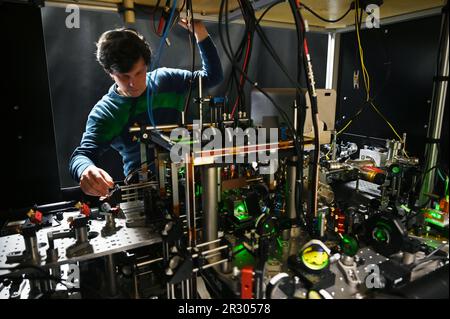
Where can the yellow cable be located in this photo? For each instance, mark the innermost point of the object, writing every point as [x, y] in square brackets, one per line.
[363, 68]
[361, 54]
[391, 126]
[328, 153]
[345, 127]
[366, 73]
[386, 120]
[366, 78]
[361, 51]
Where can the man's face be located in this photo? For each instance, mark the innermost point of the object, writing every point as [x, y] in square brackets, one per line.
[132, 83]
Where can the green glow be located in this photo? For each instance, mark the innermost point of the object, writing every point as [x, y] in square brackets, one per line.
[381, 235]
[198, 190]
[434, 222]
[435, 215]
[242, 217]
[266, 226]
[446, 188]
[406, 208]
[319, 222]
[381, 232]
[279, 242]
[396, 170]
[349, 245]
[182, 140]
[240, 208]
[242, 257]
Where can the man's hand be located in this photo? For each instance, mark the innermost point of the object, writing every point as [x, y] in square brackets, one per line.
[199, 28]
[95, 182]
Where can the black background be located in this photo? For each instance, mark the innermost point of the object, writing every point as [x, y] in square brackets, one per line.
[401, 60]
[28, 154]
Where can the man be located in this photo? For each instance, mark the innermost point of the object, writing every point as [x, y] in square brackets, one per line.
[125, 56]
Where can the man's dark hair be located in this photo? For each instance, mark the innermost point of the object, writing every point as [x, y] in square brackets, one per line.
[118, 50]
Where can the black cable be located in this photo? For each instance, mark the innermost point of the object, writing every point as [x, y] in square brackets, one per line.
[249, 14]
[136, 170]
[249, 31]
[239, 251]
[227, 33]
[153, 16]
[426, 259]
[300, 33]
[193, 50]
[267, 10]
[247, 43]
[182, 6]
[246, 46]
[46, 275]
[177, 15]
[301, 105]
[270, 48]
[314, 114]
[233, 54]
[365, 103]
[230, 84]
[418, 208]
[153, 13]
[424, 174]
[248, 39]
[251, 34]
[228, 54]
[328, 20]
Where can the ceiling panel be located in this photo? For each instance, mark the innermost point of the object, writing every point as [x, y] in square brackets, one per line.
[281, 14]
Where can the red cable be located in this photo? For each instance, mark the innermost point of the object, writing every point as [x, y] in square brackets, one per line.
[241, 80]
[305, 46]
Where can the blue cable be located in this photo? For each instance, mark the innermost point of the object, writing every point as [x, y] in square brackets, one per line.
[440, 175]
[156, 62]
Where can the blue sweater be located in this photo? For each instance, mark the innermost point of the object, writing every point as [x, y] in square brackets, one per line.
[110, 119]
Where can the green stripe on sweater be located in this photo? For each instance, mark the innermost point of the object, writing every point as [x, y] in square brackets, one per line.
[169, 100]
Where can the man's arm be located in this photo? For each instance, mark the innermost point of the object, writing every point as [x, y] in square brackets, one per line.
[200, 31]
[93, 180]
[211, 72]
